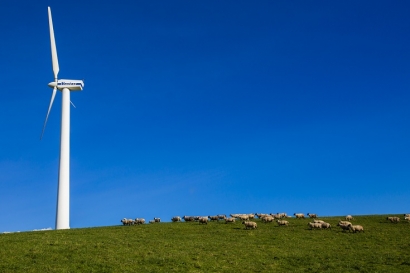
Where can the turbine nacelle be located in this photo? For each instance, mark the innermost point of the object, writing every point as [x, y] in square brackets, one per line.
[72, 85]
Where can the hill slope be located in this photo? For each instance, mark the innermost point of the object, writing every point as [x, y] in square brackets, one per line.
[216, 247]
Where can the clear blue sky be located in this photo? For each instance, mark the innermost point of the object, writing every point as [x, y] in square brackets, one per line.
[206, 107]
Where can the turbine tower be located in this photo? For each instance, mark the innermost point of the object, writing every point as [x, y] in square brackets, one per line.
[65, 86]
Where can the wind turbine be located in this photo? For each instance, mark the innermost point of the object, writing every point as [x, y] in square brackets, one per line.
[65, 86]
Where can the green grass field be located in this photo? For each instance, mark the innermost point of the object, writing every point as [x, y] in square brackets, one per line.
[216, 247]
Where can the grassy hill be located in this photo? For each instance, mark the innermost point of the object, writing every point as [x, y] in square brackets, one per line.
[216, 247]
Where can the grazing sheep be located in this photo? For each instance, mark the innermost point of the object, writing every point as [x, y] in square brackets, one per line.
[176, 219]
[407, 218]
[249, 225]
[222, 216]
[318, 221]
[326, 225]
[282, 222]
[315, 225]
[229, 220]
[139, 221]
[251, 216]
[393, 219]
[203, 220]
[312, 215]
[243, 217]
[127, 222]
[281, 215]
[151, 221]
[260, 215]
[188, 218]
[355, 228]
[157, 220]
[275, 215]
[344, 225]
[299, 215]
[268, 219]
[213, 218]
[349, 218]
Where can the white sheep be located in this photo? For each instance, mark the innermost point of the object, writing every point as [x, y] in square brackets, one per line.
[349, 218]
[229, 220]
[157, 220]
[213, 218]
[249, 224]
[393, 219]
[281, 215]
[203, 220]
[345, 225]
[312, 215]
[127, 222]
[356, 228]
[139, 221]
[299, 215]
[268, 219]
[188, 218]
[318, 221]
[222, 216]
[326, 225]
[276, 215]
[151, 221]
[260, 215]
[243, 217]
[282, 222]
[176, 219]
[313, 225]
[199, 217]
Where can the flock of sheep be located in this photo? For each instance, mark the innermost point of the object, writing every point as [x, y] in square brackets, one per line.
[345, 225]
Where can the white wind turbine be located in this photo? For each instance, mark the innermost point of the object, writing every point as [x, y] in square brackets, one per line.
[65, 86]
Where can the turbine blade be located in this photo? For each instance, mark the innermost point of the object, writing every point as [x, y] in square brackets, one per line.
[72, 104]
[49, 108]
[54, 58]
